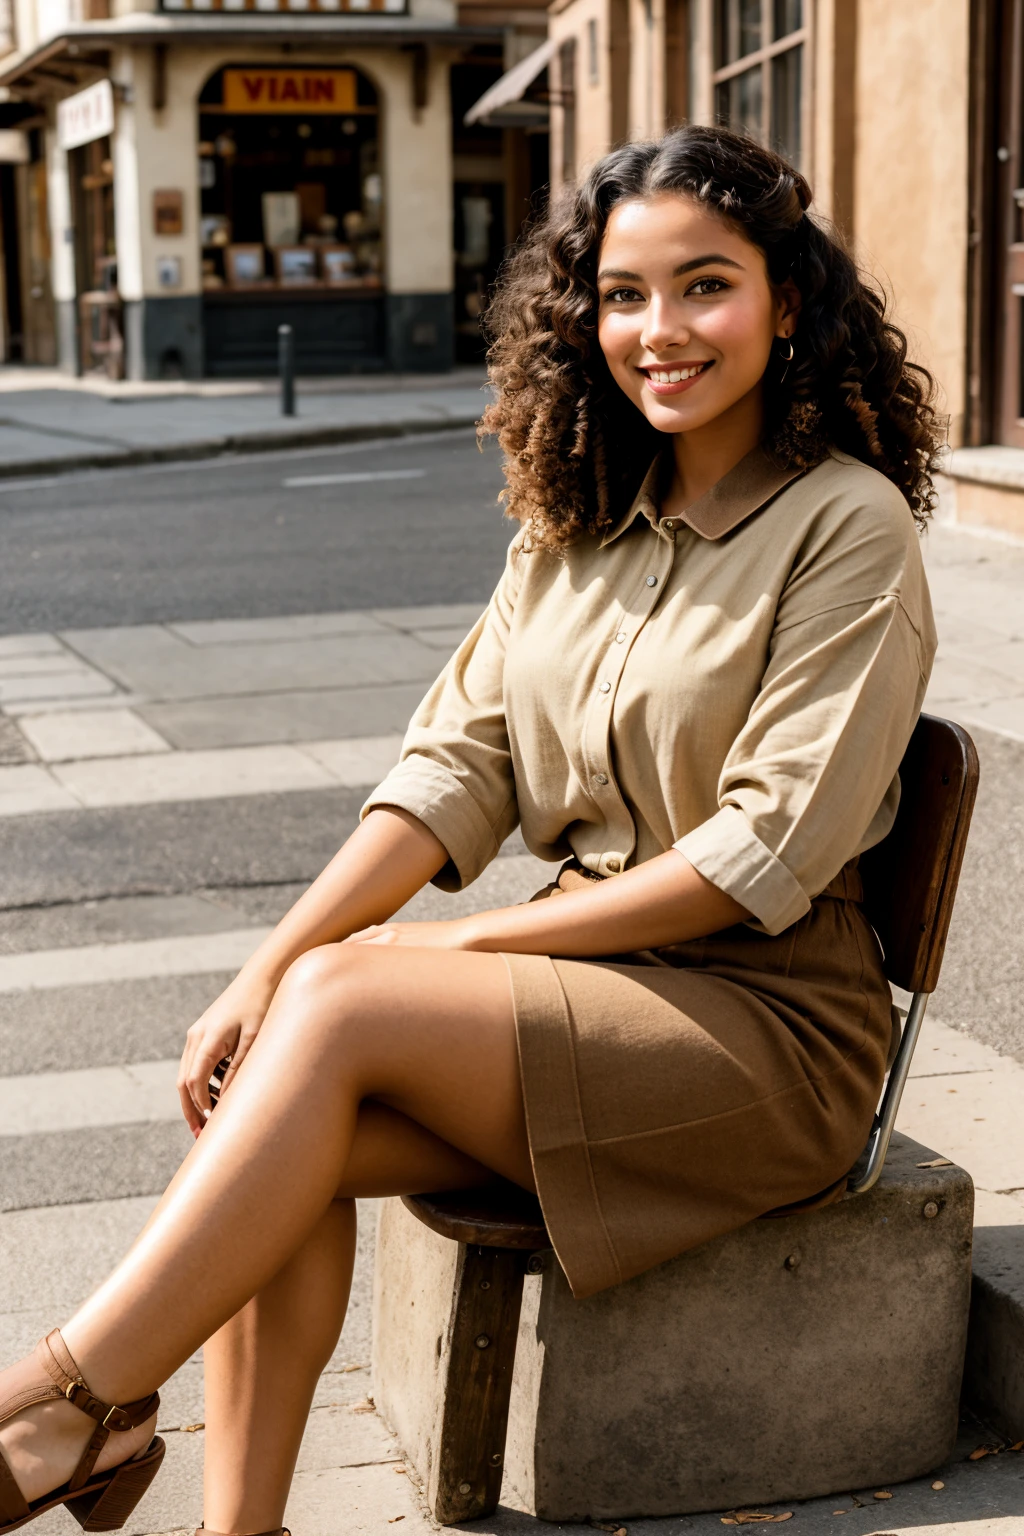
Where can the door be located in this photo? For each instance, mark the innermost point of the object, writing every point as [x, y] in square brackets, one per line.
[1009, 211]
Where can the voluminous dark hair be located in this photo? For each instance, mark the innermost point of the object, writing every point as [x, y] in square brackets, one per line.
[576, 448]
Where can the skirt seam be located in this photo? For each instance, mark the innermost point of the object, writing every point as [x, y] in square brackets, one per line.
[584, 1143]
[739, 1109]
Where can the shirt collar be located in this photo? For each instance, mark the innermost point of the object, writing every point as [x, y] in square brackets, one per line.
[747, 487]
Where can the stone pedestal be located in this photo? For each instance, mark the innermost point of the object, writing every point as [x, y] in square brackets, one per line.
[796, 1357]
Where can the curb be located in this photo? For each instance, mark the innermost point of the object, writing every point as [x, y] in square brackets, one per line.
[239, 442]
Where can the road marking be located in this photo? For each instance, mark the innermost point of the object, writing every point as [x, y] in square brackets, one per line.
[43, 970]
[219, 773]
[9, 486]
[356, 478]
[89, 1099]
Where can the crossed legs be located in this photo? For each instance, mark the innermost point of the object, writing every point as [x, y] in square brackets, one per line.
[377, 1070]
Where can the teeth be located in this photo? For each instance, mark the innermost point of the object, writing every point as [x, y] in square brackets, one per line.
[673, 375]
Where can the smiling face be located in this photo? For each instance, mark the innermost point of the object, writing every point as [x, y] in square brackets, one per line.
[687, 314]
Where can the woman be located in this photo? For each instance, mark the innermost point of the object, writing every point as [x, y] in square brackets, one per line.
[694, 682]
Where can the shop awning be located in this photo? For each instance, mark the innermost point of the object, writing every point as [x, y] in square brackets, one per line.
[76, 54]
[506, 104]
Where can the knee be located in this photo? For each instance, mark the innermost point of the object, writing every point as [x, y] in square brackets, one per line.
[328, 981]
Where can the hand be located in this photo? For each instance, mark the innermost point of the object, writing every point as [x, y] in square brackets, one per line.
[456, 934]
[227, 1028]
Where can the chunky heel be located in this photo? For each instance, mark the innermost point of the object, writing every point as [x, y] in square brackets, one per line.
[109, 1508]
[99, 1501]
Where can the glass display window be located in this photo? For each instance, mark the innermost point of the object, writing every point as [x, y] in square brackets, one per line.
[289, 163]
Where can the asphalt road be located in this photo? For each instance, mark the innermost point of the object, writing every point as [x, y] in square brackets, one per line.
[236, 538]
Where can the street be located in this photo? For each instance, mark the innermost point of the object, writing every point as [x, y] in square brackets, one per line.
[237, 537]
[203, 668]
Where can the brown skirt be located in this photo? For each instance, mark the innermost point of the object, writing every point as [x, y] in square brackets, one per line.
[675, 1095]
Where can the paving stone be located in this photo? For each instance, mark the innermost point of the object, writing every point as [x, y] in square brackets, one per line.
[66, 684]
[149, 659]
[301, 626]
[299, 715]
[69, 734]
[26, 789]
[215, 774]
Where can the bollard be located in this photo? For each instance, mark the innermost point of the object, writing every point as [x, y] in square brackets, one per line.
[286, 368]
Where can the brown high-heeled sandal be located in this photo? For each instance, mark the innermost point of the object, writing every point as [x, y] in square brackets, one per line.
[101, 1501]
[202, 1531]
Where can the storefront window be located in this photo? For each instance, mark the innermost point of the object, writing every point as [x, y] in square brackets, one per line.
[290, 180]
[759, 70]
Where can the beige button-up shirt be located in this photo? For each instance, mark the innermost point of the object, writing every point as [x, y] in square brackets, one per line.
[738, 683]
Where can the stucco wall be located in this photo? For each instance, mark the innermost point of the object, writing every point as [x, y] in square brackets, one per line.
[911, 174]
[593, 100]
[156, 150]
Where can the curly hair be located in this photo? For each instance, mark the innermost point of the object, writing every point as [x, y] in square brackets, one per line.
[576, 448]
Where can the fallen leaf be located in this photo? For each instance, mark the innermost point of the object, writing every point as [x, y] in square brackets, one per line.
[936, 1162]
[882, 1495]
[395, 1519]
[1018, 1447]
[366, 1406]
[344, 1372]
[937, 1486]
[839, 1511]
[728, 1520]
[400, 1471]
[983, 1450]
[190, 1429]
[756, 1517]
[614, 1530]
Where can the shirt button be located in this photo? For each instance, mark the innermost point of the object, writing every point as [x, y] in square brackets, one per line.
[620, 637]
[614, 865]
[600, 778]
[670, 524]
[605, 687]
[652, 581]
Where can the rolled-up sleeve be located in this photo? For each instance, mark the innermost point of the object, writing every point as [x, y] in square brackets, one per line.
[455, 772]
[811, 779]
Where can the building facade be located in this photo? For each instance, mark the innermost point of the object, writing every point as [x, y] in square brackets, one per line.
[196, 173]
[908, 121]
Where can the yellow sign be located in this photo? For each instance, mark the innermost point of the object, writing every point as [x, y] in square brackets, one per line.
[289, 90]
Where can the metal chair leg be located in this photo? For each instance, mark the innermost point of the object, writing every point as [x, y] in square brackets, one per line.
[869, 1168]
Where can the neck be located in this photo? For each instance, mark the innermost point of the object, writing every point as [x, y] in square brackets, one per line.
[704, 455]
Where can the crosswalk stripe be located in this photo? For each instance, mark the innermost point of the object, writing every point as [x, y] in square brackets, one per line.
[96, 1096]
[130, 960]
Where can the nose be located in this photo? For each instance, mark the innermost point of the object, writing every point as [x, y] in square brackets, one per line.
[663, 325]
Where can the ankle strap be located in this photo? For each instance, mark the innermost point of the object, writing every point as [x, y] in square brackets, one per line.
[54, 1357]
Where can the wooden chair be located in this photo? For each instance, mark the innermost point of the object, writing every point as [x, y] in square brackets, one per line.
[910, 882]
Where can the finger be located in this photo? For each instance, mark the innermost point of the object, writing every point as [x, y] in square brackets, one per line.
[241, 1051]
[192, 1118]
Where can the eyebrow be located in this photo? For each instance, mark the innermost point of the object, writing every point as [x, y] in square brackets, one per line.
[687, 266]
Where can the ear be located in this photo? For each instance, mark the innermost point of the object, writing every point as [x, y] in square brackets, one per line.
[787, 308]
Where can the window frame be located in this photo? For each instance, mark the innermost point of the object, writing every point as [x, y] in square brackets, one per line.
[762, 58]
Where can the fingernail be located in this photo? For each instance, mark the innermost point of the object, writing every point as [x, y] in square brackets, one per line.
[206, 1114]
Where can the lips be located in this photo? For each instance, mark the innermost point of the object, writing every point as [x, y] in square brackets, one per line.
[674, 379]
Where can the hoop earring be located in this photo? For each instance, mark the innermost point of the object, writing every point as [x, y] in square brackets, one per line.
[786, 358]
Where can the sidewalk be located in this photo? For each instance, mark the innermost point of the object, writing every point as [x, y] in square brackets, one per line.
[50, 422]
[96, 721]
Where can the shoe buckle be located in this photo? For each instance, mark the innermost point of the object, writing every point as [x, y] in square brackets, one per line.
[110, 1413]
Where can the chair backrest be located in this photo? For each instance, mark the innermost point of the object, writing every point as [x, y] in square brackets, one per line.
[910, 877]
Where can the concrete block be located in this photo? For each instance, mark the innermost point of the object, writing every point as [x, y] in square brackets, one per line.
[994, 1376]
[796, 1357]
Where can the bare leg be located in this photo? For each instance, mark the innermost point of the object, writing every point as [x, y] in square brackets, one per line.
[430, 1033]
[262, 1367]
